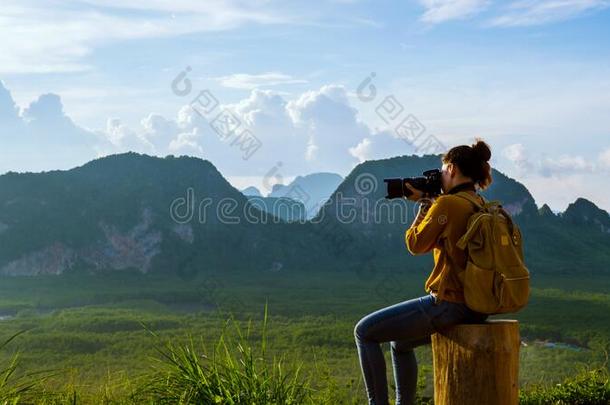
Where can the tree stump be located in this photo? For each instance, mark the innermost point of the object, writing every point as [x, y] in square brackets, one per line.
[477, 363]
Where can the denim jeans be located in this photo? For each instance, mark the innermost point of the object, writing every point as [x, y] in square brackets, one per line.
[405, 325]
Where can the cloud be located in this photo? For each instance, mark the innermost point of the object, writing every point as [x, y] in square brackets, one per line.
[560, 191]
[249, 81]
[42, 137]
[510, 14]
[312, 132]
[123, 138]
[536, 12]
[9, 112]
[380, 145]
[42, 122]
[517, 155]
[604, 159]
[553, 166]
[332, 124]
[186, 143]
[438, 11]
[566, 164]
[56, 39]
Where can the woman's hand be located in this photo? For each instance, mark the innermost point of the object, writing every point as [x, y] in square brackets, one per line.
[416, 195]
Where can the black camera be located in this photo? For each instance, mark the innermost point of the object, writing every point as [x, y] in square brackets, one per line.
[430, 184]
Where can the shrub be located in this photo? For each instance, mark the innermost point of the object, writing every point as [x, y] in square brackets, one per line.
[234, 373]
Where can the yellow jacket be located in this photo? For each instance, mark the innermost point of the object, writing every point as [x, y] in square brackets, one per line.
[442, 226]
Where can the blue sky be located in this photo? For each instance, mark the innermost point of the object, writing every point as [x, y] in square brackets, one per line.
[86, 78]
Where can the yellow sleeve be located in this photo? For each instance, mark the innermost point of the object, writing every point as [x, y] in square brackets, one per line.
[423, 237]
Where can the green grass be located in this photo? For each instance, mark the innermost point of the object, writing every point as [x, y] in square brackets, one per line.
[588, 387]
[90, 330]
[233, 372]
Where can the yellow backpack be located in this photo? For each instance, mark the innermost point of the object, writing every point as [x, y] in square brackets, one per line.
[495, 279]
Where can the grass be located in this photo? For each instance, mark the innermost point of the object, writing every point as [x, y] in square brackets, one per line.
[14, 386]
[233, 373]
[589, 387]
[91, 329]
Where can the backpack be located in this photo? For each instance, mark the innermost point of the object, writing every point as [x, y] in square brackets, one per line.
[495, 279]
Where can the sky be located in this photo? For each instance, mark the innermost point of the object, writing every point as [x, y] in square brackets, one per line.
[268, 90]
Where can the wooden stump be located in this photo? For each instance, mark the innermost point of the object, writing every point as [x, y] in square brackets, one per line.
[477, 363]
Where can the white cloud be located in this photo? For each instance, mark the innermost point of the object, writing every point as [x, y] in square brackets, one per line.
[312, 132]
[514, 13]
[438, 11]
[332, 125]
[361, 151]
[558, 181]
[557, 166]
[43, 39]
[186, 143]
[517, 155]
[123, 138]
[42, 137]
[566, 164]
[604, 159]
[264, 108]
[380, 145]
[535, 12]
[249, 81]
[559, 191]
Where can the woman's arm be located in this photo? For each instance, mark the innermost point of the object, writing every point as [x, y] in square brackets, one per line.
[428, 225]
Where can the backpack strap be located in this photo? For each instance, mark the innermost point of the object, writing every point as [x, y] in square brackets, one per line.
[484, 207]
[463, 241]
[468, 197]
[486, 204]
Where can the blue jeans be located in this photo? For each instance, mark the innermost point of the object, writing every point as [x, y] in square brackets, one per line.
[405, 325]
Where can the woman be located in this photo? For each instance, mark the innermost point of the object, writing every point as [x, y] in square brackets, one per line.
[439, 224]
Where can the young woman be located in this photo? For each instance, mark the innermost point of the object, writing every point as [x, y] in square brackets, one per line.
[439, 224]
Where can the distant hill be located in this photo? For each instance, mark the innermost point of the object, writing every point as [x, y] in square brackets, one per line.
[251, 192]
[285, 208]
[312, 190]
[179, 215]
[114, 214]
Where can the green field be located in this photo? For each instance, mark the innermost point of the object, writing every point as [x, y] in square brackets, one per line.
[89, 328]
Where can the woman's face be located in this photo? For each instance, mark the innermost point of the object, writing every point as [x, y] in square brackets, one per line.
[447, 176]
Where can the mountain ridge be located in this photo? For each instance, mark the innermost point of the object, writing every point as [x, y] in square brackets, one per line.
[114, 213]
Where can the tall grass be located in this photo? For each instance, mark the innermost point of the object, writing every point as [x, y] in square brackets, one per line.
[591, 386]
[13, 386]
[233, 373]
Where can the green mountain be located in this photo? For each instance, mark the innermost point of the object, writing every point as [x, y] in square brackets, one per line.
[179, 215]
[134, 212]
[576, 241]
[312, 190]
[285, 208]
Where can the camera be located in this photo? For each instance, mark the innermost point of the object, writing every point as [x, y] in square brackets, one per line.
[430, 183]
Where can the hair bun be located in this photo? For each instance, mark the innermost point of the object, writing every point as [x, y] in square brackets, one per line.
[481, 150]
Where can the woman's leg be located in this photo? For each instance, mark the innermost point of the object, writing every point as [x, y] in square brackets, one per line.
[405, 368]
[408, 321]
[407, 325]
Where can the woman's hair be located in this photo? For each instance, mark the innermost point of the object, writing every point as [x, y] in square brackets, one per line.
[472, 161]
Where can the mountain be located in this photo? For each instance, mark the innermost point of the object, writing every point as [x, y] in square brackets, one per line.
[546, 212]
[285, 208]
[584, 212]
[375, 227]
[575, 241]
[251, 192]
[135, 212]
[179, 215]
[312, 190]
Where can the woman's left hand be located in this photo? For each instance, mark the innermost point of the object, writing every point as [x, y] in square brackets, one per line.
[416, 194]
